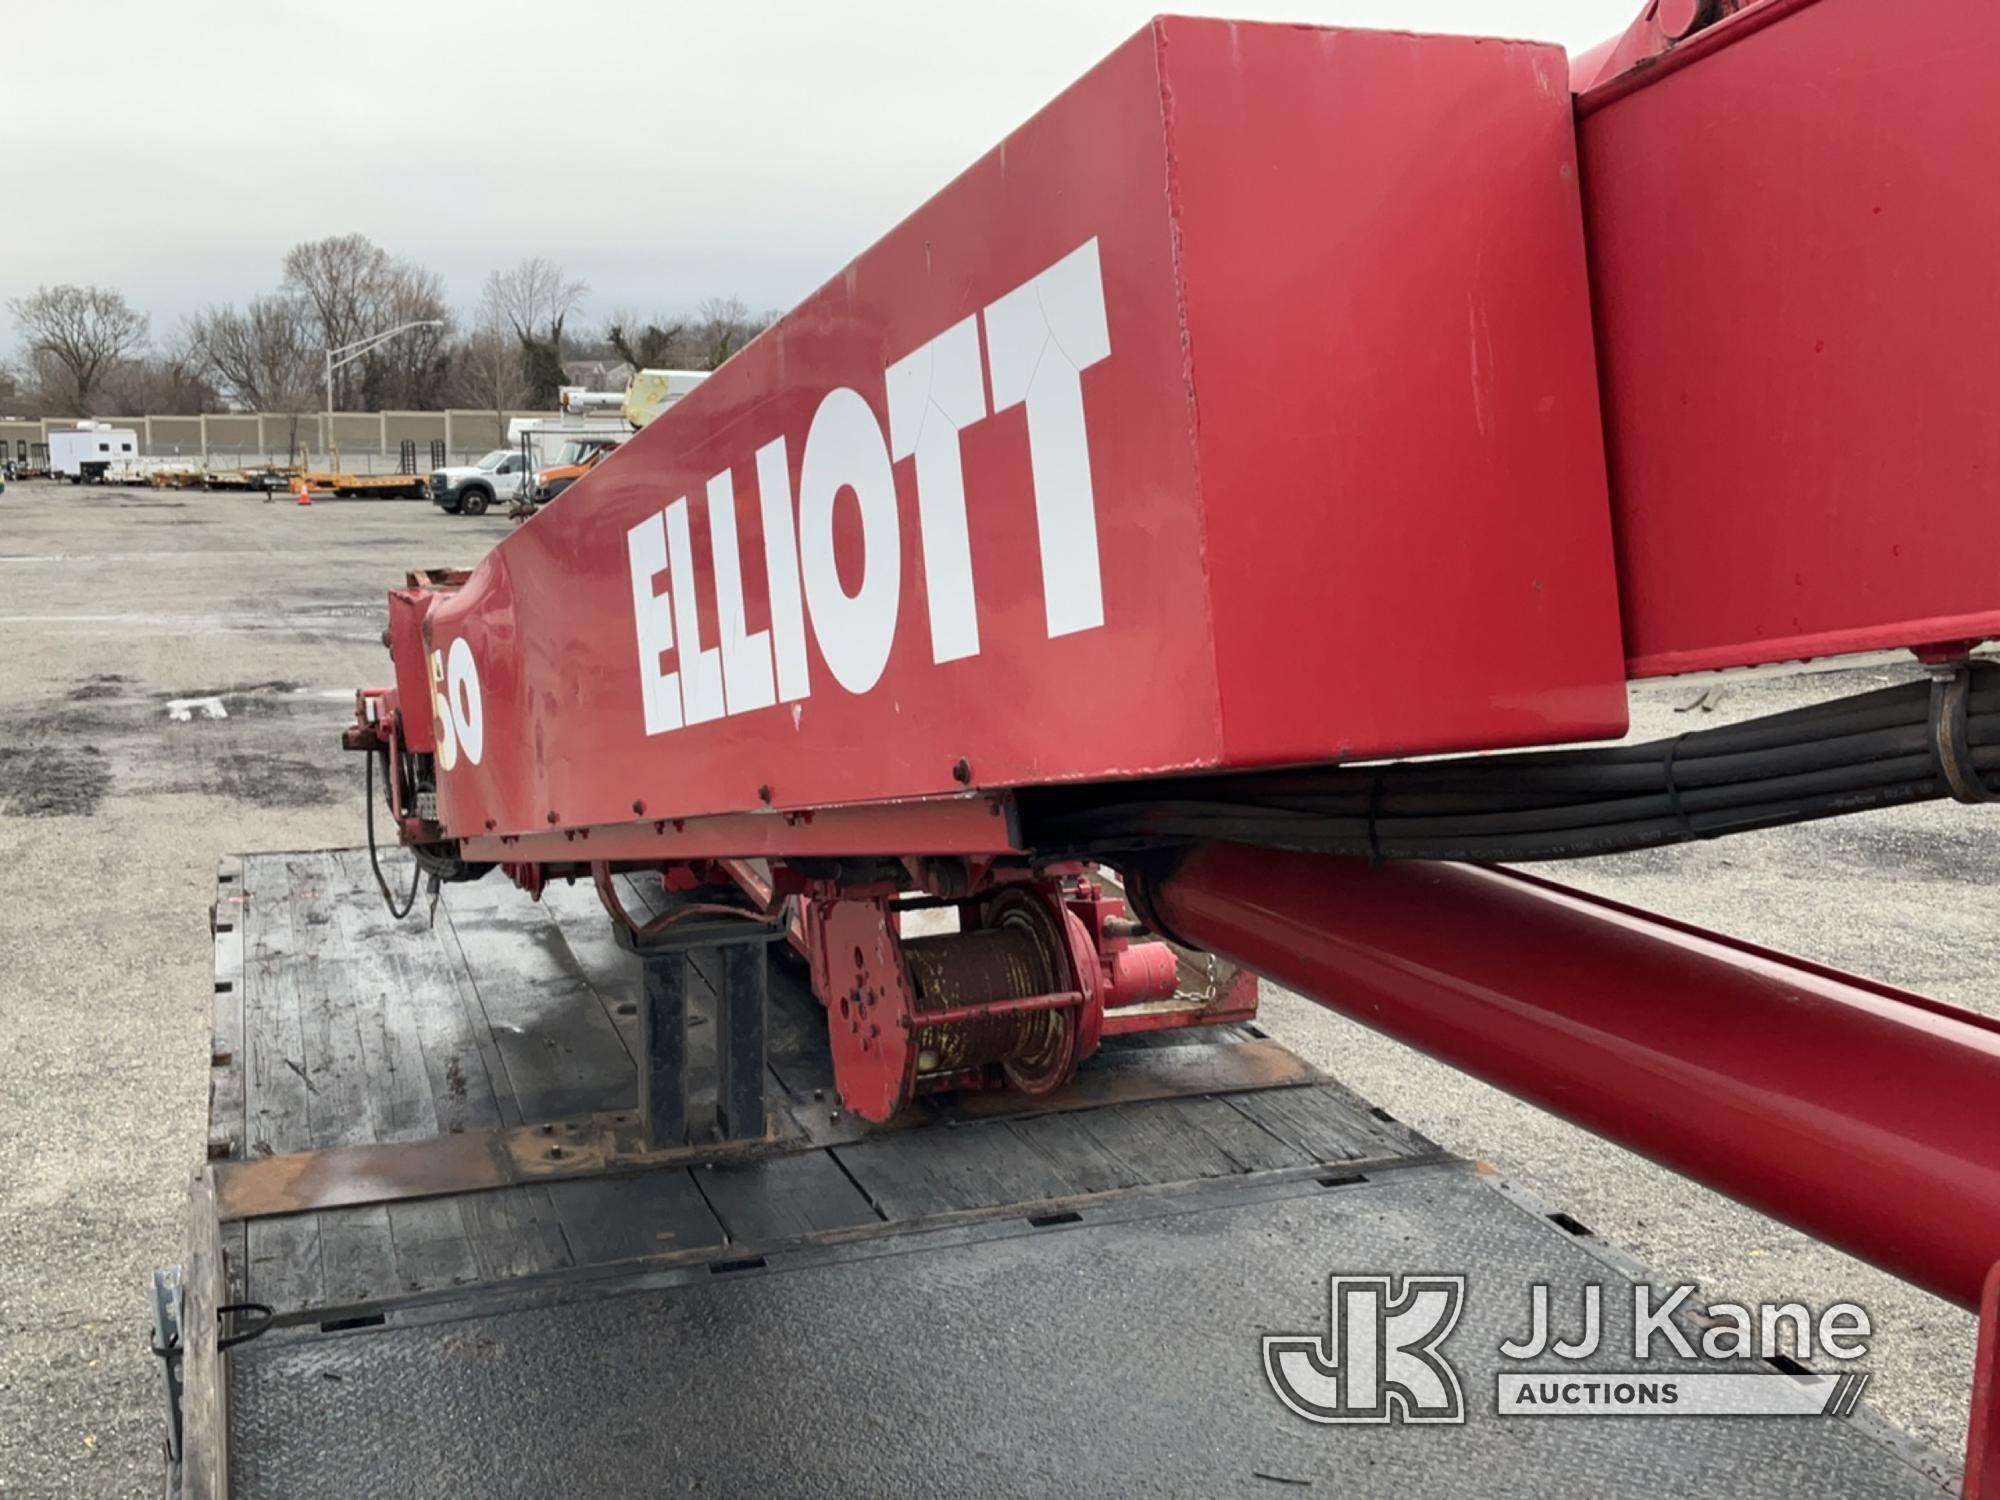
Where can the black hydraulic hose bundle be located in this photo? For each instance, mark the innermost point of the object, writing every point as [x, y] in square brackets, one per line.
[1915, 742]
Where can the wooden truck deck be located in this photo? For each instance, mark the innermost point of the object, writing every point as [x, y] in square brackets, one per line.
[424, 1161]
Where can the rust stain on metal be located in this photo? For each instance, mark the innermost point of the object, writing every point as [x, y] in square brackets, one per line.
[352, 1176]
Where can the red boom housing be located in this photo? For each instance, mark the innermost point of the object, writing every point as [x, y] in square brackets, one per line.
[1116, 458]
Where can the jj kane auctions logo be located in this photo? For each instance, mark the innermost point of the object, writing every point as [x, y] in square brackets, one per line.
[1382, 1357]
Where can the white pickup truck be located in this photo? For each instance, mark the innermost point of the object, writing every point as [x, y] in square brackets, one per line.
[471, 488]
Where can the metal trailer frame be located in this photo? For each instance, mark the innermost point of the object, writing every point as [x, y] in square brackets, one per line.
[453, 1261]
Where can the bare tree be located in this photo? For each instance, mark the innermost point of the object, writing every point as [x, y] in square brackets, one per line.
[650, 344]
[701, 341]
[486, 373]
[721, 326]
[354, 289]
[337, 278]
[45, 384]
[179, 378]
[173, 378]
[267, 357]
[534, 299]
[82, 332]
[408, 372]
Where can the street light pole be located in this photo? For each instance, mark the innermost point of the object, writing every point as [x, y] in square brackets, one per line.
[346, 354]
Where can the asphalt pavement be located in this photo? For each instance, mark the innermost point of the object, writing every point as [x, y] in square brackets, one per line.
[175, 669]
[119, 611]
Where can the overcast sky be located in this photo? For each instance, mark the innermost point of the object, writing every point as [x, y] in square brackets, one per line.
[664, 150]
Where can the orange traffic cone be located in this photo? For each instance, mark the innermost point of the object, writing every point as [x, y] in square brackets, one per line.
[305, 495]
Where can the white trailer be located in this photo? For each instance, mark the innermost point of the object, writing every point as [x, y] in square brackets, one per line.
[91, 451]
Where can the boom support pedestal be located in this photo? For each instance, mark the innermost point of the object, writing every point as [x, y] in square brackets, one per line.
[676, 967]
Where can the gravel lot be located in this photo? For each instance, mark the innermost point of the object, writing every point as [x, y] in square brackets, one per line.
[115, 603]
[112, 817]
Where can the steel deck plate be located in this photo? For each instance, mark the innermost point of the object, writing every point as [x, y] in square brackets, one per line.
[1118, 1354]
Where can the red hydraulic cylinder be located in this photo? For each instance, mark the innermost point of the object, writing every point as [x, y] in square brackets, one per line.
[1862, 1114]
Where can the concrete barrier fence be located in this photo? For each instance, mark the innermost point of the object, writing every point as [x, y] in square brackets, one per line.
[369, 442]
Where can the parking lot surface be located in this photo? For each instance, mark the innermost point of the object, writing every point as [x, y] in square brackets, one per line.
[175, 669]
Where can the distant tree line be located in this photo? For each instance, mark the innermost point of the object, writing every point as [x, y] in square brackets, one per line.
[85, 351]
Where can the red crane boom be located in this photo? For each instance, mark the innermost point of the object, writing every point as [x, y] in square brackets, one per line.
[1275, 406]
